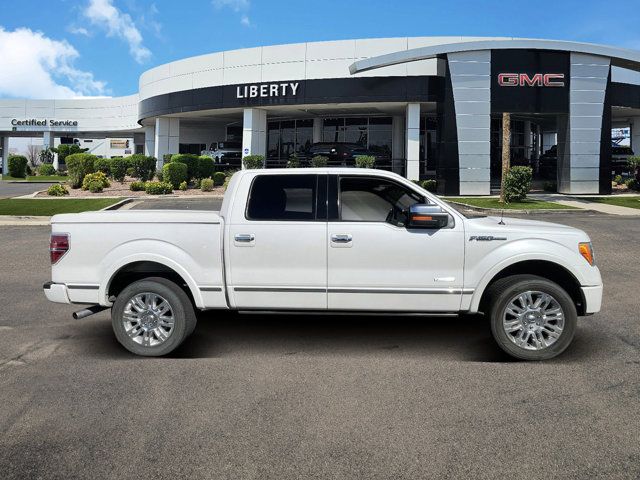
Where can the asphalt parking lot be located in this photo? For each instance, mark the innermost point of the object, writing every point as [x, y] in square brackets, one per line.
[298, 396]
[14, 189]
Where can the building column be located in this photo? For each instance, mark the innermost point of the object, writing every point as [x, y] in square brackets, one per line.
[254, 132]
[166, 138]
[412, 136]
[397, 142]
[5, 155]
[150, 141]
[317, 130]
[634, 123]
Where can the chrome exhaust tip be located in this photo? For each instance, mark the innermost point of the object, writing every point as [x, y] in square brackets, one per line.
[86, 312]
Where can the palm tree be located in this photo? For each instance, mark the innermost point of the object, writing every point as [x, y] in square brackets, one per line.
[506, 150]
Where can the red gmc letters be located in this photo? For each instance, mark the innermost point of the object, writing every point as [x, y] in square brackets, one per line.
[536, 80]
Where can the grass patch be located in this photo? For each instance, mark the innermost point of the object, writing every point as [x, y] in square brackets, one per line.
[37, 178]
[631, 202]
[53, 206]
[527, 204]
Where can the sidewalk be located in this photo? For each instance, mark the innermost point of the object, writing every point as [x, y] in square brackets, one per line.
[583, 203]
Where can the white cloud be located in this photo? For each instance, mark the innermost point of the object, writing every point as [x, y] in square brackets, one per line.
[238, 6]
[78, 30]
[103, 14]
[35, 66]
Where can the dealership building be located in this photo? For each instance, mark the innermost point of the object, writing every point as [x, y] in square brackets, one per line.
[428, 107]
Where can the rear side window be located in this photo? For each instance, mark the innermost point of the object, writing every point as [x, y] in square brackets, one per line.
[283, 197]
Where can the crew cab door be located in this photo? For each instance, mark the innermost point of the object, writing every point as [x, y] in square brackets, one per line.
[275, 242]
[376, 263]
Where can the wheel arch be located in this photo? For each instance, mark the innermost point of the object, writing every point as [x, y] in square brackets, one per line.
[552, 271]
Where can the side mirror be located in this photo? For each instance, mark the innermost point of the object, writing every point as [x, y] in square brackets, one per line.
[427, 216]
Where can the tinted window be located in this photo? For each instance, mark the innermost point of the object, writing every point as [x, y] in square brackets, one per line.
[283, 197]
[369, 199]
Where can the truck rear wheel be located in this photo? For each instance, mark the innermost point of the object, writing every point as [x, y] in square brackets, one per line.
[152, 317]
[532, 318]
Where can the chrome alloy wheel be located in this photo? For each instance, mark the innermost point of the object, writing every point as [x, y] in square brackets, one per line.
[533, 320]
[148, 319]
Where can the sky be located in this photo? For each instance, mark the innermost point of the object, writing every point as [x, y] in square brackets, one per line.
[67, 48]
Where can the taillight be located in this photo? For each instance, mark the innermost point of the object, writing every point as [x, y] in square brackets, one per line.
[58, 246]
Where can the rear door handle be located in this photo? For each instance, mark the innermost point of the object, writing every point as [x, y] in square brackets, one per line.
[244, 237]
[341, 238]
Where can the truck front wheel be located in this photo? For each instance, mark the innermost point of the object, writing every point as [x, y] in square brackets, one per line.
[152, 317]
[532, 318]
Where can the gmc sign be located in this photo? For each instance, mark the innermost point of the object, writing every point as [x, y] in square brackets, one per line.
[537, 80]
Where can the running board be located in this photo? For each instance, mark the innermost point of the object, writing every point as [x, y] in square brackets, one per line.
[348, 313]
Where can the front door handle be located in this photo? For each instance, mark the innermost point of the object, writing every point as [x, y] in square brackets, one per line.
[341, 238]
[244, 237]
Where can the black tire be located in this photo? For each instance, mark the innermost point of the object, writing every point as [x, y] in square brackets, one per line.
[182, 309]
[505, 289]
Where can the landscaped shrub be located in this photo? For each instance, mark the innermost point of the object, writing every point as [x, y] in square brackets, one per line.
[319, 161]
[79, 165]
[634, 166]
[632, 184]
[294, 161]
[191, 161]
[429, 185]
[144, 167]
[517, 183]
[205, 167]
[158, 188]
[253, 161]
[174, 173]
[160, 175]
[183, 186]
[550, 187]
[57, 190]
[119, 167]
[365, 161]
[95, 182]
[17, 166]
[29, 171]
[102, 165]
[46, 169]
[617, 179]
[206, 185]
[137, 186]
[218, 178]
[166, 158]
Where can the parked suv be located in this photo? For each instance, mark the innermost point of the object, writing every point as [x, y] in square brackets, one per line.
[227, 152]
[340, 154]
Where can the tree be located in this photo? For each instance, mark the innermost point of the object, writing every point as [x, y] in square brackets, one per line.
[65, 150]
[33, 154]
[506, 151]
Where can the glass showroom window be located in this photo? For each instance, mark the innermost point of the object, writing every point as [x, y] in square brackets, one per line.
[287, 137]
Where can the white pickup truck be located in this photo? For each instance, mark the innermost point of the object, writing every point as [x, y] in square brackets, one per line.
[332, 240]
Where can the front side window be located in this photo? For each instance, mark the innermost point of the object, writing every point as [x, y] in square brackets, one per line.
[370, 199]
[283, 197]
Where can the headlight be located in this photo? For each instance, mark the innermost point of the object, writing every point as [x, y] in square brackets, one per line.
[586, 250]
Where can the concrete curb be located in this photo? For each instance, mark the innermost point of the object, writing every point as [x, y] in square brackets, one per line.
[117, 205]
[507, 211]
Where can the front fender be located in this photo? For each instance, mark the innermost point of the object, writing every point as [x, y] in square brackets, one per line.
[518, 251]
[157, 251]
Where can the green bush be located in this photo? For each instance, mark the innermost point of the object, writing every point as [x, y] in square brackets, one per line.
[218, 178]
[205, 167]
[160, 175]
[29, 171]
[118, 168]
[253, 161]
[137, 186]
[57, 190]
[66, 150]
[517, 183]
[17, 166]
[206, 185]
[294, 161]
[319, 161]
[550, 187]
[632, 184]
[429, 185]
[617, 179]
[365, 161]
[191, 161]
[183, 186]
[166, 158]
[174, 173]
[94, 179]
[79, 165]
[634, 164]
[158, 188]
[102, 165]
[144, 167]
[46, 169]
